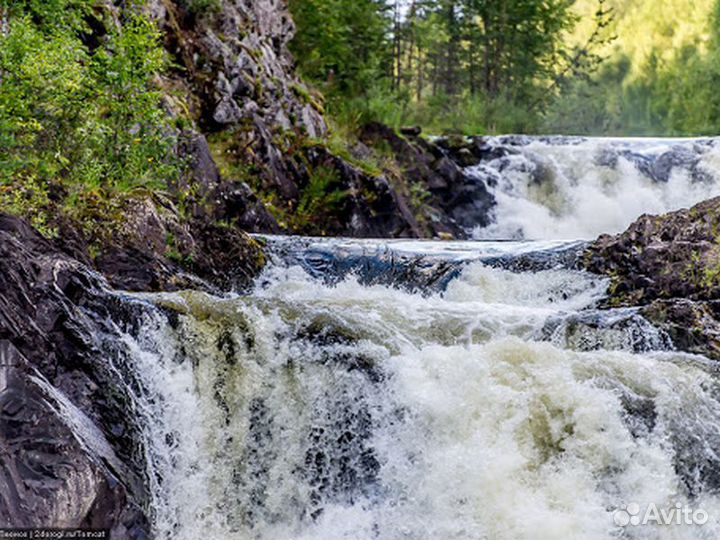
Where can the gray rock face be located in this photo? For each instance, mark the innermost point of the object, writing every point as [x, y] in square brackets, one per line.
[243, 90]
[238, 66]
[70, 454]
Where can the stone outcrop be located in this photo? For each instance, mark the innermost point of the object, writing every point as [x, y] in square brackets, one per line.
[456, 201]
[238, 88]
[670, 265]
[70, 453]
[238, 77]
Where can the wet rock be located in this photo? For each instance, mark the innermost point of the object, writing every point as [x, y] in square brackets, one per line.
[693, 326]
[371, 266]
[662, 257]
[679, 156]
[568, 257]
[670, 265]
[423, 275]
[70, 453]
[470, 204]
[659, 168]
[594, 330]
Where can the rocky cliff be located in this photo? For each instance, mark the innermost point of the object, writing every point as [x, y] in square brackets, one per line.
[261, 158]
[259, 141]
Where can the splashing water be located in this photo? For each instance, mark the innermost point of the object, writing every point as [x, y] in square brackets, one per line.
[497, 408]
[581, 188]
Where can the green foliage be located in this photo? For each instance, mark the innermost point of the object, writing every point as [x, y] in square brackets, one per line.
[471, 66]
[129, 146]
[49, 16]
[322, 197]
[598, 67]
[592, 106]
[342, 44]
[41, 102]
[440, 114]
[78, 127]
[661, 77]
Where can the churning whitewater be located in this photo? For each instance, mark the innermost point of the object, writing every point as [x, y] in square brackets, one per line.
[424, 390]
[571, 188]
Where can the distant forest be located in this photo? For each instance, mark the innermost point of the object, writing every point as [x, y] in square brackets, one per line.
[597, 67]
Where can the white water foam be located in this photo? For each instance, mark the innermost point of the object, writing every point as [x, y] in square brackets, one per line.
[327, 412]
[553, 189]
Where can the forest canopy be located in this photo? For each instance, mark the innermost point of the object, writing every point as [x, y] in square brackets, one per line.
[597, 67]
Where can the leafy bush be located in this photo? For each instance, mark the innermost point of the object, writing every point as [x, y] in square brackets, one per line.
[440, 114]
[321, 198]
[78, 126]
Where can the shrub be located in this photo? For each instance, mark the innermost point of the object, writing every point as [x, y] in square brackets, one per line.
[78, 126]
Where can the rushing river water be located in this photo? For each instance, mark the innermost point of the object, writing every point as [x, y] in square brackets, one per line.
[580, 188]
[429, 390]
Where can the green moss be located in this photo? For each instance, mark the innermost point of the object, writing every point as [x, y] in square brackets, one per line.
[308, 98]
[419, 196]
[171, 250]
[339, 143]
[232, 158]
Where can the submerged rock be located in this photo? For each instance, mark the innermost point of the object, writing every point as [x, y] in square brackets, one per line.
[371, 265]
[593, 330]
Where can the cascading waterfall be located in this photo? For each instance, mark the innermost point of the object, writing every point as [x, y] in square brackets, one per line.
[309, 410]
[580, 188]
[491, 403]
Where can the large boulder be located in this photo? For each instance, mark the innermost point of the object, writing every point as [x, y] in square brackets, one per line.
[151, 246]
[70, 452]
[670, 265]
[676, 255]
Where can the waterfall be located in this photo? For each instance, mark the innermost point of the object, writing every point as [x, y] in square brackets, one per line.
[561, 187]
[334, 403]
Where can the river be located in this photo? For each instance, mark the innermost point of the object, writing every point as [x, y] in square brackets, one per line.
[441, 390]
